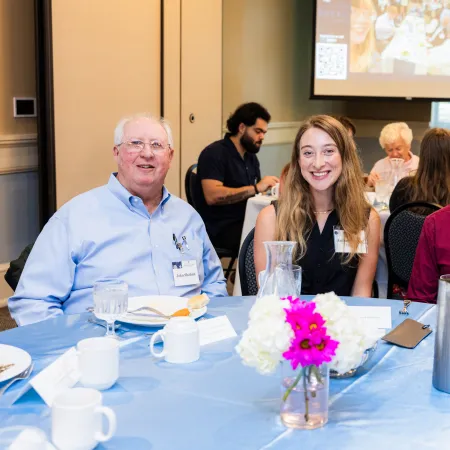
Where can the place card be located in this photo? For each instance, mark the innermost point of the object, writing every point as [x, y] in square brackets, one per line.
[59, 375]
[374, 316]
[215, 329]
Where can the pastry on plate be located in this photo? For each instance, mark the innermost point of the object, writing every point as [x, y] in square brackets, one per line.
[198, 301]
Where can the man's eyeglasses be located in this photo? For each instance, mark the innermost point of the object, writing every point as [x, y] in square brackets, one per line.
[136, 146]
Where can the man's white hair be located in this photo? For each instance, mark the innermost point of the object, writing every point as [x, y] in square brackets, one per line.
[118, 132]
[392, 131]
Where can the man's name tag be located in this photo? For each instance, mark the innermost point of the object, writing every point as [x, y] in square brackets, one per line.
[342, 246]
[185, 273]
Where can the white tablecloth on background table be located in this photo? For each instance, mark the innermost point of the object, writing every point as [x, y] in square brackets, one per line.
[256, 204]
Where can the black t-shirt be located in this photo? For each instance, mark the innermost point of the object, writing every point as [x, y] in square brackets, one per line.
[221, 161]
[323, 270]
[401, 194]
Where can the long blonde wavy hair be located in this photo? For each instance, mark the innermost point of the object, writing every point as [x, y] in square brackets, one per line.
[295, 211]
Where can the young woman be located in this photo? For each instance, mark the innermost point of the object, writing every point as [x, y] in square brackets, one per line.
[431, 182]
[323, 201]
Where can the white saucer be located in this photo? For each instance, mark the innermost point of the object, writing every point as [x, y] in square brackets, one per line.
[13, 355]
[164, 303]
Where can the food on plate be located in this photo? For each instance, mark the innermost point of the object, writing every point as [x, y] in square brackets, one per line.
[198, 301]
[181, 313]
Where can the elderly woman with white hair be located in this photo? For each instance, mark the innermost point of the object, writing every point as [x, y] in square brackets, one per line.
[395, 139]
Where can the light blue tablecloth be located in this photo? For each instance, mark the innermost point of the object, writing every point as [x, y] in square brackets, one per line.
[217, 403]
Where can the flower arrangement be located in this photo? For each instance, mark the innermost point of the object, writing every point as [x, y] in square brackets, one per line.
[306, 334]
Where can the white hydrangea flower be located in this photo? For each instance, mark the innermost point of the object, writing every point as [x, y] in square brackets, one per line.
[268, 335]
[346, 328]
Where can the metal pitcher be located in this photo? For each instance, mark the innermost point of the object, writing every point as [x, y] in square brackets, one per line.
[441, 365]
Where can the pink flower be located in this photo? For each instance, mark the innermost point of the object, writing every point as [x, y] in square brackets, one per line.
[311, 344]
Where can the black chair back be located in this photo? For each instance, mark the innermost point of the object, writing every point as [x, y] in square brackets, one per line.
[189, 184]
[401, 236]
[247, 272]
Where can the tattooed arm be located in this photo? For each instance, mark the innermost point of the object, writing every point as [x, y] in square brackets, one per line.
[217, 194]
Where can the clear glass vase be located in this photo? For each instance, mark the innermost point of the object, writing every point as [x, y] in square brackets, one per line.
[278, 278]
[304, 397]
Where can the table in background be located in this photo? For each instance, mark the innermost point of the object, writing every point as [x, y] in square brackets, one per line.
[256, 204]
[218, 403]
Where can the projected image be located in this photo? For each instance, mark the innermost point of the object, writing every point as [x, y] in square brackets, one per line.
[402, 37]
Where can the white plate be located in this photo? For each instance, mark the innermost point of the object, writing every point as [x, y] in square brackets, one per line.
[13, 355]
[164, 303]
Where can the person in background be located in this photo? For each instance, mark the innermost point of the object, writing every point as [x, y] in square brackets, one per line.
[348, 125]
[431, 182]
[228, 174]
[323, 200]
[362, 35]
[125, 229]
[395, 139]
[432, 257]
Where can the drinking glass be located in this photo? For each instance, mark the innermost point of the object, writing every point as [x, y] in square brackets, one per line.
[110, 302]
[383, 189]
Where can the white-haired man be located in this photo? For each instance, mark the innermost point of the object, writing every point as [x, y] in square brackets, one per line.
[131, 228]
[395, 139]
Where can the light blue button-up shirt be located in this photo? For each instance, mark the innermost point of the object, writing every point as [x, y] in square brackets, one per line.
[109, 233]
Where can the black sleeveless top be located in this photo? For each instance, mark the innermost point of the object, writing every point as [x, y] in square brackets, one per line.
[323, 270]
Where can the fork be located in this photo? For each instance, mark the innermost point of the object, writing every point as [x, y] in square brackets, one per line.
[157, 312]
[22, 376]
[406, 303]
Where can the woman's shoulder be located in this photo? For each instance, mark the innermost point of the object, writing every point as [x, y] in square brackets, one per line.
[267, 214]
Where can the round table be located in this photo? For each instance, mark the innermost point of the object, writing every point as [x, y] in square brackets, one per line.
[218, 403]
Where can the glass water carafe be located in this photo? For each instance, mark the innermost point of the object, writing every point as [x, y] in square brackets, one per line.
[278, 278]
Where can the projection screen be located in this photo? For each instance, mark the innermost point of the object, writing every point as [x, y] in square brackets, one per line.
[382, 48]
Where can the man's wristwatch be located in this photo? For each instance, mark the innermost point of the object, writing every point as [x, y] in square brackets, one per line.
[256, 189]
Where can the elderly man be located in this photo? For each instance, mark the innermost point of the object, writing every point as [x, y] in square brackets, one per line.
[132, 229]
[395, 139]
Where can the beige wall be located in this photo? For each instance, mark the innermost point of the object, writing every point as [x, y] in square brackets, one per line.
[17, 68]
[267, 58]
[106, 62]
[267, 54]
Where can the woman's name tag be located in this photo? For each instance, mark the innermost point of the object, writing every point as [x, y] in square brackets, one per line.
[185, 273]
[342, 246]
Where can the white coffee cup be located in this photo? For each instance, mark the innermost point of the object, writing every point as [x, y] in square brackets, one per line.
[181, 341]
[275, 190]
[77, 419]
[98, 362]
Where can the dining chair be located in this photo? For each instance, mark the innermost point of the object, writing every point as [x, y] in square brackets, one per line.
[401, 236]
[247, 272]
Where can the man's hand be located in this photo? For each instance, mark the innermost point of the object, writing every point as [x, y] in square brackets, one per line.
[373, 178]
[266, 183]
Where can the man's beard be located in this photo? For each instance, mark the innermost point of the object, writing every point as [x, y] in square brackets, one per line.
[249, 144]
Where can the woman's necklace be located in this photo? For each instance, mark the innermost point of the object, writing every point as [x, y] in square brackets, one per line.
[323, 212]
